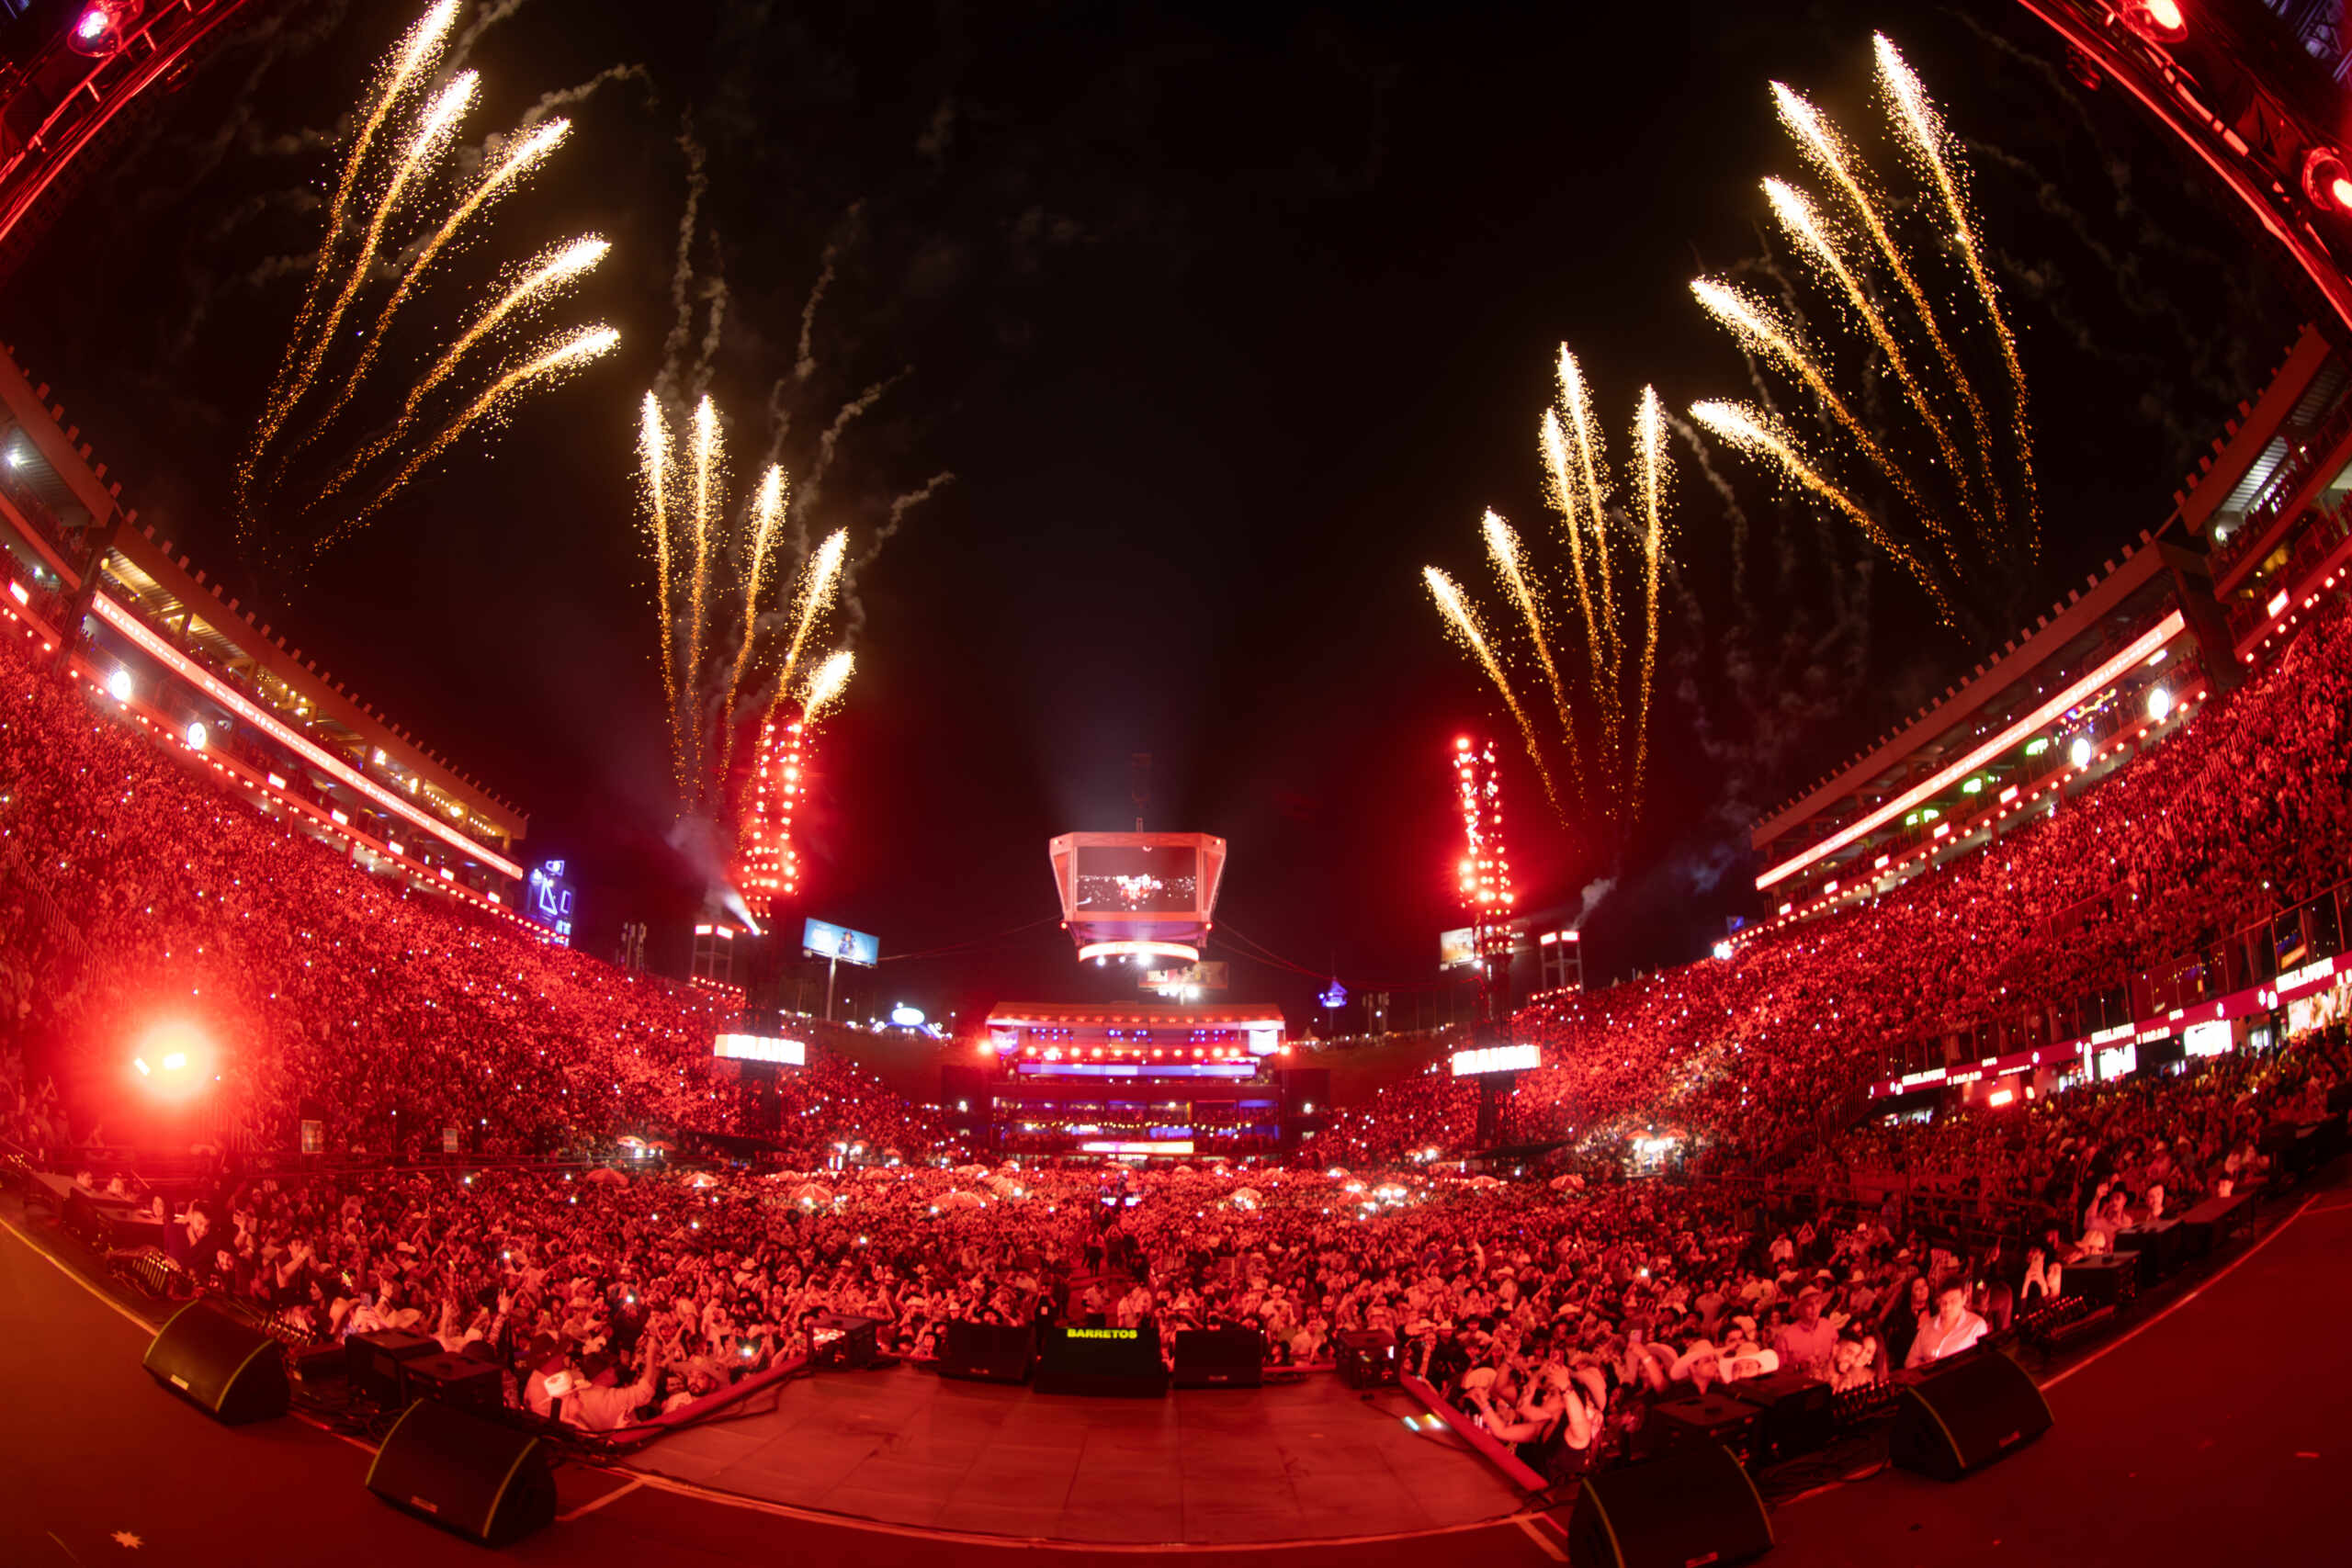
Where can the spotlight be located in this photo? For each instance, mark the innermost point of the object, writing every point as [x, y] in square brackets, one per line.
[2079, 753]
[2327, 183]
[2159, 704]
[2160, 21]
[118, 685]
[198, 735]
[98, 28]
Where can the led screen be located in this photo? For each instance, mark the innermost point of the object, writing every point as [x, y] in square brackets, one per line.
[1127, 879]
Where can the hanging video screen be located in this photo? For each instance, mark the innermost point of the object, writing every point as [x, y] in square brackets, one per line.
[1133, 880]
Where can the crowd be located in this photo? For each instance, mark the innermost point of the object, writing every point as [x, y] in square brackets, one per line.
[2239, 813]
[134, 892]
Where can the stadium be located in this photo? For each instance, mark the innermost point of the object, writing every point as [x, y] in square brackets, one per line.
[384, 1169]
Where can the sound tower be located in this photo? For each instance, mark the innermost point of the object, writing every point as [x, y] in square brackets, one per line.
[1220, 1358]
[472, 1476]
[1961, 1418]
[1694, 1505]
[987, 1352]
[231, 1372]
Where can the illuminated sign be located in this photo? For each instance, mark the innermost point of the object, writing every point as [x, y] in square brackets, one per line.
[2117, 1061]
[235, 700]
[1102, 1334]
[2207, 1040]
[548, 900]
[906, 1017]
[760, 1048]
[1496, 1059]
[825, 939]
[1265, 1041]
[1131, 1150]
[2014, 735]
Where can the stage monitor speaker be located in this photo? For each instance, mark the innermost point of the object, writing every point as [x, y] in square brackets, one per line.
[375, 1360]
[230, 1370]
[1368, 1358]
[843, 1341]
[1694, 1505]
[1962, 1417]
[987, 1352]
[451, 1378]
[1220, 1358]
[472, 1476]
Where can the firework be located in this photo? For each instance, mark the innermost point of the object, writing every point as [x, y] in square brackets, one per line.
[1750, 432]
[420, 47]
[520, 159]
[1754, 325]
[1590, 469]
[709, 482]
[1796, 215]
[1821, 144]
[826, 683]
[541, 282]
[1924, 128]
[565, 355]
[1561, 490]
[1463, 623]
[1502, 548]
[1649, 445]
[768, 515]
[653, 460]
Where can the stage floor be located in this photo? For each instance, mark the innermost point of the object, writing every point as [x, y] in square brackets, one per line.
[1307, 1460]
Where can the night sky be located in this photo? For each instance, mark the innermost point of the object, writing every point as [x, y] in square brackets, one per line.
[1225, 322]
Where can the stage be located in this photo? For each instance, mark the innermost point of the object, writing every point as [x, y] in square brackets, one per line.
[1315, 1459]
[2211, 1432]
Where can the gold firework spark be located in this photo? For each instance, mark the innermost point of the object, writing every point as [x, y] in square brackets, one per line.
[768, 515]
[1822, 145]
[1797, 216]
[653, 460]
[420, 47]
[440, 119]
[826, 683]
[1924, 128]
[542, 282]
[709, 460]
[1502, 548]
[1463, 623]
[1751, 431]
[1591, 470]
[1756, 325]
[1560, 489]
[1649, 443]
[524, 156]
[815, 596]
[566, 355]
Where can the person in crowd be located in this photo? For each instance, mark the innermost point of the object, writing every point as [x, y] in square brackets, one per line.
[1951, 1329]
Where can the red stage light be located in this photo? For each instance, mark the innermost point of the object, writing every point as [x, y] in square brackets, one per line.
[2327, 182]
[2161, 20]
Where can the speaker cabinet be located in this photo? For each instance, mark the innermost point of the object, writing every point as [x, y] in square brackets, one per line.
[470, 1477]
[987, 1352]
[1963, 1416]
[1694, 1505]
[1368, 1358]
[1220, 1358]
[455, 1380]
[1117, 1363]
[230, 1370]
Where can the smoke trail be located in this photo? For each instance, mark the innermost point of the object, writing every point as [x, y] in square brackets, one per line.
[900, 506]
[564, 97]
[1502, 548]
[492, 14]
[681, 272]
[568, 355]
[1463, 624]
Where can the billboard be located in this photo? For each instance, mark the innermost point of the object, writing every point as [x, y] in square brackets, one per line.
[822, 939]
[1209, 976]
[760, 1048]
[1496, 1059]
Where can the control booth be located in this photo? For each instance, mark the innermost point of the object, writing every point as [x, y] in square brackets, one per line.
[1136, 1080]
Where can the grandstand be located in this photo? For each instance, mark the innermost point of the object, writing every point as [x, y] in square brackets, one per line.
[199, 667]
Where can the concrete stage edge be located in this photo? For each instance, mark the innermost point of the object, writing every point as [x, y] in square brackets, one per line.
[2213, 1433]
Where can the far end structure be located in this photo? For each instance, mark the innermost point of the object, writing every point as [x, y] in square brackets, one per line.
[1133, 895]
